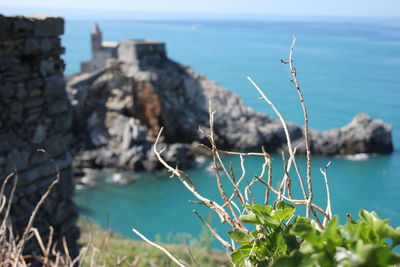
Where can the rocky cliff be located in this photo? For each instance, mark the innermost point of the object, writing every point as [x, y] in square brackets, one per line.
[35, 113]
[119, 111]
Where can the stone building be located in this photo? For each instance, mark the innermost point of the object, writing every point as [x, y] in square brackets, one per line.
[108, 53]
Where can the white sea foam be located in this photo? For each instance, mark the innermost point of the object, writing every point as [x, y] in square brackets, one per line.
[120, 179]
[358, 157]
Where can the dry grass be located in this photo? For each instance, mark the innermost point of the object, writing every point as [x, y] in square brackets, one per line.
[107, 248]
[12, 246]
[99, 247]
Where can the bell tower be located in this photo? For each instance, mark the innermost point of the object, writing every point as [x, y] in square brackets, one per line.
[96, 40]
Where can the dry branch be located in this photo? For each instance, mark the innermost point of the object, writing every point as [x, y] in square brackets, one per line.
[226, 211]
[214, 233]
[166, 252]
[328, 193]
[288, 139]
[293, 72]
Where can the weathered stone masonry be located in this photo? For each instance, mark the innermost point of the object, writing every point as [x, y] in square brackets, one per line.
[35, 113]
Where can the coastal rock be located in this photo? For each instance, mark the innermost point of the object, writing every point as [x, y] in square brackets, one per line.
[131, 101]
[362, 135]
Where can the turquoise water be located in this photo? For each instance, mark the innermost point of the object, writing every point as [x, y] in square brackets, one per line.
[344, 67]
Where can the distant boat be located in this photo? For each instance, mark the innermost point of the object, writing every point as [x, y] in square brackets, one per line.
[194, 28]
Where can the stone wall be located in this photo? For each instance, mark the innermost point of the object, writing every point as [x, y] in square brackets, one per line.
[35, 113]
[141, 52]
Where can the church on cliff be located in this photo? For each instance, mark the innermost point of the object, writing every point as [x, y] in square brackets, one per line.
[108, 53]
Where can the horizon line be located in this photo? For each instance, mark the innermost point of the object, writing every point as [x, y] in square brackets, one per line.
[119, 14]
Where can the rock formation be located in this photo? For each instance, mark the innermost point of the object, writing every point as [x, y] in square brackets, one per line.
[35, 113]
[362, 135]
[119, 110]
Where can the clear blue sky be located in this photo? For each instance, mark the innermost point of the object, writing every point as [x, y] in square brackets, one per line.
[352, 8]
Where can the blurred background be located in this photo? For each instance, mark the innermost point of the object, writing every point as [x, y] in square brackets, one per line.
[347, 58]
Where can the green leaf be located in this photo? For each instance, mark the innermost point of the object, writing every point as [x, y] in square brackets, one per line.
[245, 250]
[362, 242]
[372, 254]
[285, 262]
[331, 232]
[240, 237]
[291, 242]
[280, 244]
[381, 228]
[249, 218]
[395, 237]
[271, 221]
[260, 209]
[368, 216]
[322, 259]
[394, 259]
[263, 214]
[284, 214]
[306, 247]
[303, 228]
[295, 259]
[236, 256]
[280, 205]
[255, 233]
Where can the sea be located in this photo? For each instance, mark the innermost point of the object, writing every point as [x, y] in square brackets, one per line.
[345, 66]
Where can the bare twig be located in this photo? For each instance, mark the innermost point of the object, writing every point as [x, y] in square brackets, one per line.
[288, 139]
[190, 254]
[214, 233]
[7, 211]
[166, 252]
[223, 215]
[269, 160]
[233, 152]
[236, 221]
[305, 115]
[328, 194]
[248, 189]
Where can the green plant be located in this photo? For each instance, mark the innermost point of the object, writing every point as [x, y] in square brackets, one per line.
[303, 243]
[277, 235]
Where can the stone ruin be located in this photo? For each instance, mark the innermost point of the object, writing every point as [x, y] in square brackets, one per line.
[35, 113]
[108, 53]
